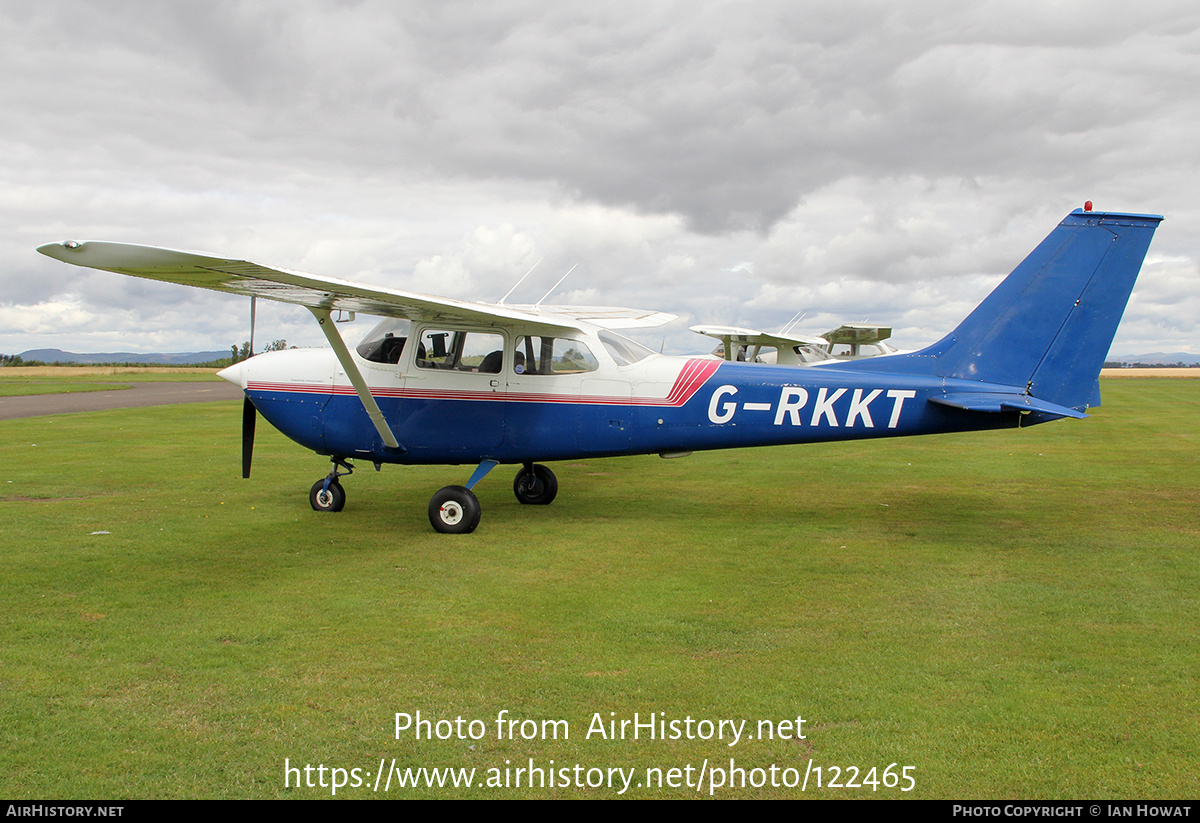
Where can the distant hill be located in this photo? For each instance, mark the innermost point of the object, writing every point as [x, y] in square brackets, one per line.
[174, 359]
[1158, 358]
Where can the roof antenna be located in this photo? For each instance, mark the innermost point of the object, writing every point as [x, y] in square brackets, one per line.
[796, 318]
[555, 286]
[519, 282]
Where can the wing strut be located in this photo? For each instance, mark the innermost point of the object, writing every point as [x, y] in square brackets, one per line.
[360, 385]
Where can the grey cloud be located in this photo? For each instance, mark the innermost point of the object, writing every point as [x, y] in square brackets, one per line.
[871, 143]
[725, 114]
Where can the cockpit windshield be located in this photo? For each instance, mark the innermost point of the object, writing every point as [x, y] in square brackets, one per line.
[385, 342]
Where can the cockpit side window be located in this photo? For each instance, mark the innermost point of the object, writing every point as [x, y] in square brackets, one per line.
[811, 354]
[460, 351]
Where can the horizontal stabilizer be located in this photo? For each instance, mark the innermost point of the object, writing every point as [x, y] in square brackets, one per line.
[985, 402]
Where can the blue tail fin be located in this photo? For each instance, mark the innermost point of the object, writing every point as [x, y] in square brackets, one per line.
[1048, 326]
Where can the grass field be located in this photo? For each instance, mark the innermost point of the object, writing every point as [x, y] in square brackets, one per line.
[1011, 614]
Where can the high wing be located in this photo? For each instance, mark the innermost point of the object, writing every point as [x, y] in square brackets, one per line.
[323, 295]
[753, 336]
[606, 317]
[327, 293]
[856, 340]
[792, 349]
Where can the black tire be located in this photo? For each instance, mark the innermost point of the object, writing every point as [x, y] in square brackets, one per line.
[536, 488]
[454, 510]
[332, 501]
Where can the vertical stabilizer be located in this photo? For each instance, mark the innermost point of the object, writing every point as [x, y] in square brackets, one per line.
[1048, 326]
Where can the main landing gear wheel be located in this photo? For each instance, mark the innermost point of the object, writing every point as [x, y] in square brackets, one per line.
[535, 485]
[454, 510]
[333, 500]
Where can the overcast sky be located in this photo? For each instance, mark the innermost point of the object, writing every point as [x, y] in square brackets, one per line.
[730, 162]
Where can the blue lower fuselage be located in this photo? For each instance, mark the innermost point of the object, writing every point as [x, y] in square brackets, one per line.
[732, 405]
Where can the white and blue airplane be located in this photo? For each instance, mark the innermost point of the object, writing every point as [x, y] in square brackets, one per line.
[443, 381]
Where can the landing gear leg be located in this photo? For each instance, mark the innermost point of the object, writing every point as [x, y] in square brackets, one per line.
[327, 494]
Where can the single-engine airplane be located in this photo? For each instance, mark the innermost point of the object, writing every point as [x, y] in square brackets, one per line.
[753, 346]
[854, 341]
[846, 342]
[443, 381]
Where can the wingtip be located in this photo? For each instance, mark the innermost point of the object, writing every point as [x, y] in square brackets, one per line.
[60, 249]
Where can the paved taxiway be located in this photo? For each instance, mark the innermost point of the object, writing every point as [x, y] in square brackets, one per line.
[138, 394]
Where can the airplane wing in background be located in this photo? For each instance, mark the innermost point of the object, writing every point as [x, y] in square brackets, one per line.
[746, 344]
[857, 333]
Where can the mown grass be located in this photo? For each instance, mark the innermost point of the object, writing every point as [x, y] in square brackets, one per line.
[1011, 613]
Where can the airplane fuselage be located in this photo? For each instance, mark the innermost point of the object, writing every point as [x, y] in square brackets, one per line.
[661, 404]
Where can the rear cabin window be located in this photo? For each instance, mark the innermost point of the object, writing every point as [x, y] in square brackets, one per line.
[552, 355]
[743, 353]
[622, 349]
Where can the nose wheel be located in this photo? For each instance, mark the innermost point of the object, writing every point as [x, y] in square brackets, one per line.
[327, 497]
[327, 494]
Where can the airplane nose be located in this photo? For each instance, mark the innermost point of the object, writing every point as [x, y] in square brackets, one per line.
[235, 374]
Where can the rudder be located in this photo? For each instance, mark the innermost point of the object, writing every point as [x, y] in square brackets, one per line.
[1068, 372]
